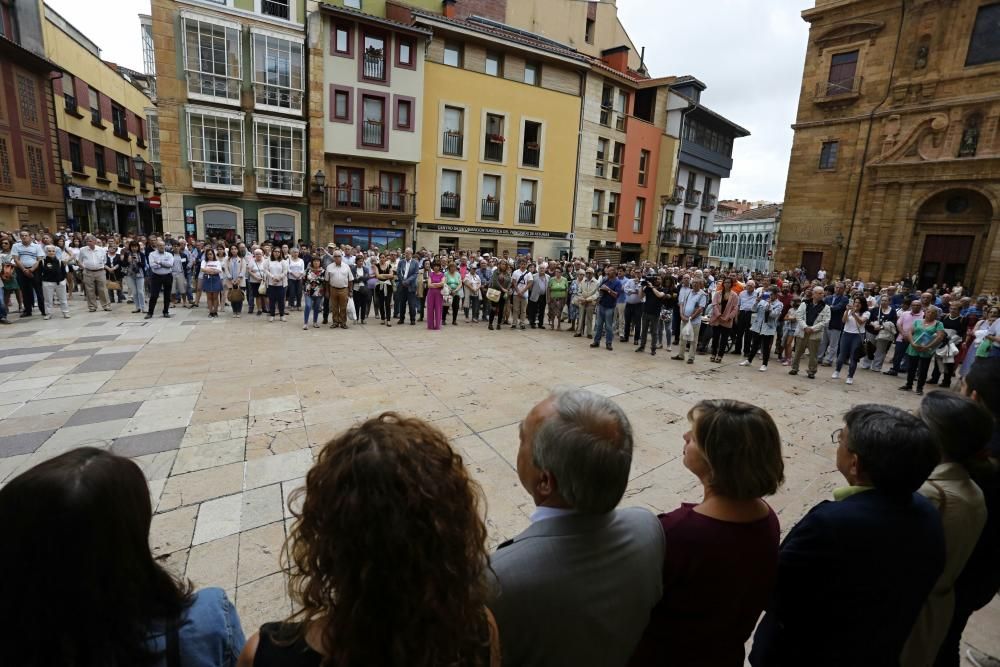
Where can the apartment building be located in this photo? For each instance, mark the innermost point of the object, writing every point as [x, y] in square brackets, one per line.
[373, 83]
[687, 226]
[31, 192]
[103, 153]
[501, 115]
[231, 117]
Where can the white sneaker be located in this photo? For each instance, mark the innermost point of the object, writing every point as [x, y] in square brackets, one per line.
[315, 325]
[849, 381]
[270, 319]
[65, 316]
[46, 317]
[282, 318]
[763, 368]
[745, 362]
[836, 375]
[305, 327]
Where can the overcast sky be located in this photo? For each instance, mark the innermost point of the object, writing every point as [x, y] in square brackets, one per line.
[749, 53]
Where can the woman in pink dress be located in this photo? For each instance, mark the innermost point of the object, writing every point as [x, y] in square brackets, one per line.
[435, 304]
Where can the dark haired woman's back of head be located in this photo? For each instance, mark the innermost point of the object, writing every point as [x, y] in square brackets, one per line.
[79, 585]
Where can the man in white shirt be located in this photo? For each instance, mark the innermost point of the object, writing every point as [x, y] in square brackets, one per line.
[161, 266]
[339, 276]
[521, 285]
[821, 274]
[587, 303]
[27, 254]
[93, 259]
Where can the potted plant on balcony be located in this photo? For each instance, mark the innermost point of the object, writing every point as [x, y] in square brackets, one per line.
[449, 195]
[495, 138]
[374, 188]
[532, 145]
[489, 198]
[373, 52]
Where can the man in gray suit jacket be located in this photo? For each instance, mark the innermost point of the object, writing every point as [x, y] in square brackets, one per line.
[577, 587]
[407, 270]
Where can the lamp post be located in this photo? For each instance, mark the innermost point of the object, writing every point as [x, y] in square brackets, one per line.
[140, 170]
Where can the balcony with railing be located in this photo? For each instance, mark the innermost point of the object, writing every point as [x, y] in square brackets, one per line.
[708, 203]
[281, 97]
[677, 197]
[693, 199]
[452, 143]
[374, 64]
[526, 213]
[276, 8]
[840, 91]
[532, 154]
[213, 175]
[493, 148]
[213, 85]
[279, 182]
[490, 209]
[451, 205]
[667, 236]
[372, 133]
[374, 200]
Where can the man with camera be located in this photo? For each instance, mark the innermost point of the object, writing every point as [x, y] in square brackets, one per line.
[653, 301]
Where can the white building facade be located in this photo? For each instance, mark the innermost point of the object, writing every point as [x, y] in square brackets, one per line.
[747, 241]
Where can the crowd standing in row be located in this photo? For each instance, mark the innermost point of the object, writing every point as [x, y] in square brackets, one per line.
[893, 329]
[388, 565]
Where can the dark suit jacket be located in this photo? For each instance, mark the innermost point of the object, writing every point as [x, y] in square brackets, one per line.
[852, 578]
[411, 279]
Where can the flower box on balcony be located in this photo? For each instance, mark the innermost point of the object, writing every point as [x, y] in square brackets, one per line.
[531, 146]
[449, 194]
[495, 138]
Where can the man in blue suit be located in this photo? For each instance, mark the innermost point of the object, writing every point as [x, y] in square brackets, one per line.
[407, 270]
[853, 574]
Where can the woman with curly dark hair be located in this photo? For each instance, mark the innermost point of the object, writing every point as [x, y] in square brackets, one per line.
[80, 585]
[387, 558]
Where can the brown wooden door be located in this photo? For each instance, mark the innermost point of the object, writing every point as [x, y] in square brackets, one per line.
[812, 261]
[944, 260]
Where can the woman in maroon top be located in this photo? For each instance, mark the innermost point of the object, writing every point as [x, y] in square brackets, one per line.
[721, 554]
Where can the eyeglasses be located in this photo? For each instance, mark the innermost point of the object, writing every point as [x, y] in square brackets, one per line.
[835, 436]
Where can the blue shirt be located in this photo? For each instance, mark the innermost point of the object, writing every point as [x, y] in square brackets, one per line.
[692, 302]
[28, 254]
[838, 304]
[607, 300]
[209, 634]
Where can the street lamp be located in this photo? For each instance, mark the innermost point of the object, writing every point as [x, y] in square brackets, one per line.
[140, 169]
[319, 180]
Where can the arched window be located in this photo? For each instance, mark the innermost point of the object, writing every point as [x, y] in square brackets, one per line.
[759, 244]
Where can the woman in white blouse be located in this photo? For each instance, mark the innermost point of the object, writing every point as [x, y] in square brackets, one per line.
[276, 275]
[256, 272]
[296, 271]
[211, 271]
[235, 271]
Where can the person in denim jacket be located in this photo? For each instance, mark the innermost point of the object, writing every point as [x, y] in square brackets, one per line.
[81, 585]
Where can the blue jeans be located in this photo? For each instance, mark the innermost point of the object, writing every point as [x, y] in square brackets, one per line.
[605, 323]
[314, 305]
[849, 344]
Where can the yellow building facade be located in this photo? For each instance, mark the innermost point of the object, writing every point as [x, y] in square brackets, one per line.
[102, 128]
[500, 142]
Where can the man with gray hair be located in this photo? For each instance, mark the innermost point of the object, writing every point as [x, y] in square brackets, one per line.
[577, 587]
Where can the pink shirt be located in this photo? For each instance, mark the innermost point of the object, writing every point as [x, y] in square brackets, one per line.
[904, 323]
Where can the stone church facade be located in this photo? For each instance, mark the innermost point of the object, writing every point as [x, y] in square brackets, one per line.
[895, 166]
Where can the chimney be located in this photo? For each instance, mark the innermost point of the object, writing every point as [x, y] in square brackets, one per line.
[449, 8]
[616, 58]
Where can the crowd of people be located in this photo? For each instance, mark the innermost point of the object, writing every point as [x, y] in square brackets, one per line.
[927, 337]
[387, 557]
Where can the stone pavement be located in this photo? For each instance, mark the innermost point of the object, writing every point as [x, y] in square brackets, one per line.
[224, 416]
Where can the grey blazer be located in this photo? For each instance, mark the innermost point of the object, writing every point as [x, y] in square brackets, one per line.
[578, 589]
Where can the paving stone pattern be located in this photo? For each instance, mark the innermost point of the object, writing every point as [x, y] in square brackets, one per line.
[226, 417]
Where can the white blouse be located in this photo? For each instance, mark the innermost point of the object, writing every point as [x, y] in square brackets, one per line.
[277, 273]
[296, 268]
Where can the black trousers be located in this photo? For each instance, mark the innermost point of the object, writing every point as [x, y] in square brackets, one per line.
[762, 343]
[720, 339]
[159, 284]
[917, 369]
[633, 318]
[31, 289]
[650, 326]
[741, 331]
[496, 309]
[536, 312]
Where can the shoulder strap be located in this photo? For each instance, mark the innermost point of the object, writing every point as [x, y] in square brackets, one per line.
[941, 494]
[173, 645]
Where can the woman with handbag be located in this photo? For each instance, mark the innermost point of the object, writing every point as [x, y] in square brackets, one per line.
[211, 271]
[386, 274]
[435, 299]
[556, 291]
[360, 290]
[855, 322]
[473, 285]
[422, 275]
[296, 271]
[498, 293]
[235, 271]
[135, 270]
[453, 281]
[256, 270]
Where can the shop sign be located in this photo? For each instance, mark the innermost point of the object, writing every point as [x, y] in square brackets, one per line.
[491, 231]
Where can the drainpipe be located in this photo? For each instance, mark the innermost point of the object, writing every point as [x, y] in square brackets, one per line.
[868, 138]
[579, 149]
[55, 123]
